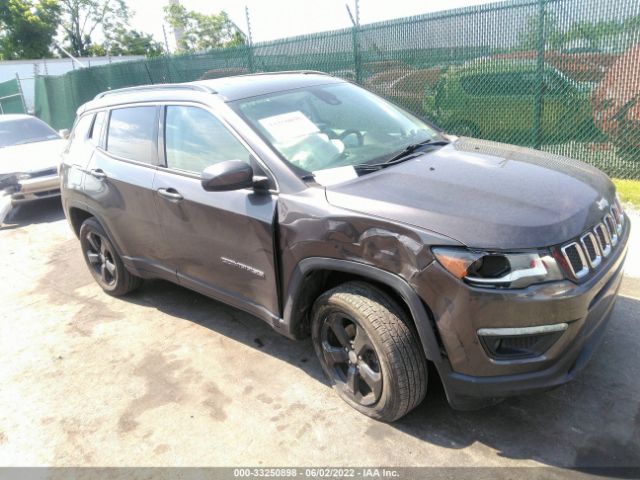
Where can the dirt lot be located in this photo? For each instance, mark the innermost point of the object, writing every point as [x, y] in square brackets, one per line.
[169, 377]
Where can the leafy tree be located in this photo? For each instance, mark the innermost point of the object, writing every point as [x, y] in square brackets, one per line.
[82, 18]
[128, 42]
[199, 31]
[27, 28]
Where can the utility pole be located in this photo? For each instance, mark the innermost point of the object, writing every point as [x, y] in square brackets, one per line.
[177, 32]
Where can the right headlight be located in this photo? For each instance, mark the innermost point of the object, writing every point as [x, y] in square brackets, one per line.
[498, 270]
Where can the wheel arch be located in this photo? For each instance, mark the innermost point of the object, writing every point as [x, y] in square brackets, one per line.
[315, 275]
[77, 213]
[77, 216]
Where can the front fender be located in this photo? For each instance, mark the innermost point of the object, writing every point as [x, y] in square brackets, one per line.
[421, 317]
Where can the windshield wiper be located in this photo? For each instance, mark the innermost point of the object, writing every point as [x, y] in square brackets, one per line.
[407, 153]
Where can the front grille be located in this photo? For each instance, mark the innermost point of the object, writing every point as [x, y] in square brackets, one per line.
[586, 255]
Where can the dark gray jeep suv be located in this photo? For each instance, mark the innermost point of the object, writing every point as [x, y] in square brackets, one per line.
[327, 211]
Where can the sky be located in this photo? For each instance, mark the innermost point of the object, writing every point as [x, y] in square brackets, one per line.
[273, 19]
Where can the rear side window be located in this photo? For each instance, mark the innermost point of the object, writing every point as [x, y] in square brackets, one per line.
[195, 139]
[96, 131]
[132, 134]
[79, 134]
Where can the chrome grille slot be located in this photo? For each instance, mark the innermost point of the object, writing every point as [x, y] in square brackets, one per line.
[576, 260]
[618, 217]
[603, 239]
[587, 253]
[612, 229]
[590, 245]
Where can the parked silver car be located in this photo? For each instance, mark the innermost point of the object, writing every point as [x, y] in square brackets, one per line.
[29, 158]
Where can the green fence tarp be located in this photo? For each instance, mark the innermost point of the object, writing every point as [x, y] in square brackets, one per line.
[11, 100]
[559, 75]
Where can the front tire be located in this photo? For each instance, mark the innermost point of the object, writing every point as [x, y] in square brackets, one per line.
[369, 351]
[103, 261]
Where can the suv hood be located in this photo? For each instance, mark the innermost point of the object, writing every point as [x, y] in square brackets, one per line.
[31, 157]
[485, 195]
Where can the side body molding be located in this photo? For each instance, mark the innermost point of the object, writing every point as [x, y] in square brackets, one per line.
[420, 315]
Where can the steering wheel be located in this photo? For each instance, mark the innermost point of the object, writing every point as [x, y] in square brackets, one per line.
[357, 133]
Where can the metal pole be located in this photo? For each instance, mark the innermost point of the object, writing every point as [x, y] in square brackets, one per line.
[24, 104]
[356, 43]
[74, 59]
[166, 40]
[250, 38]
[537, 127]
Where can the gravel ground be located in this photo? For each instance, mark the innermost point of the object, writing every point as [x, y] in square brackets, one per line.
[168, 377]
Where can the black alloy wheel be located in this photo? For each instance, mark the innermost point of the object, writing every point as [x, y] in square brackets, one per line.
[368, 348]
[351, 359]
[103, 261]
[100, 257]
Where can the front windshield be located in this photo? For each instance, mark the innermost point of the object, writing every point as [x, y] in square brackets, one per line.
[329, 126]
[25, 130]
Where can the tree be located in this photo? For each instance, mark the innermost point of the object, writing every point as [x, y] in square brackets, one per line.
[199, 31]
[82, 18]
[27, 28]
[128, 42]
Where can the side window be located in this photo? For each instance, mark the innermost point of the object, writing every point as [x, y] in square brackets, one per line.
[132, 134]
[195, 139]
[500, 84]
[79, 134]
[470, 85]
[96, 131]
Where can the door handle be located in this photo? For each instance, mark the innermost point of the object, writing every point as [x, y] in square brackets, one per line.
[170, 194]
[98, 173]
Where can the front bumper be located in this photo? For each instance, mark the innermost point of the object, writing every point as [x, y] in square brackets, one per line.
[472, 378]
[36, 188]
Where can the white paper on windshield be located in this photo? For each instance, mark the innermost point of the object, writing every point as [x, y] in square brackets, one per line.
[331, 176]
[288, 126]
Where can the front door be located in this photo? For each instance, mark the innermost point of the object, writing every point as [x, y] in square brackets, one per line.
[221, 243]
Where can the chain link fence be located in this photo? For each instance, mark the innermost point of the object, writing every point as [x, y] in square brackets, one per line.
[11, 99]
[558, 75]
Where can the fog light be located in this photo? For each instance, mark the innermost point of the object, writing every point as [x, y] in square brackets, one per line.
[512, 343]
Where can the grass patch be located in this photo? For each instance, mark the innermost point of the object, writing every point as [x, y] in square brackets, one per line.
[629, 191]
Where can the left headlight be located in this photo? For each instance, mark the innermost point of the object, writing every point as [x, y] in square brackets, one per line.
[498, 270]
[23, 176]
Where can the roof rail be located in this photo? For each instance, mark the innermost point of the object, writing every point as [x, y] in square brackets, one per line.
[157, 86]
[285, 72]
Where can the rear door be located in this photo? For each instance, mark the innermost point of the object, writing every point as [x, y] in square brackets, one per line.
[119, 187]
[221, 243]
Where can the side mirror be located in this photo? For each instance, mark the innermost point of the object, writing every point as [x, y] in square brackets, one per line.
[64, 133]
[226, 176]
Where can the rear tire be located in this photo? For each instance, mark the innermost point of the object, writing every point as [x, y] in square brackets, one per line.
[369, 351]
[103, 261]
